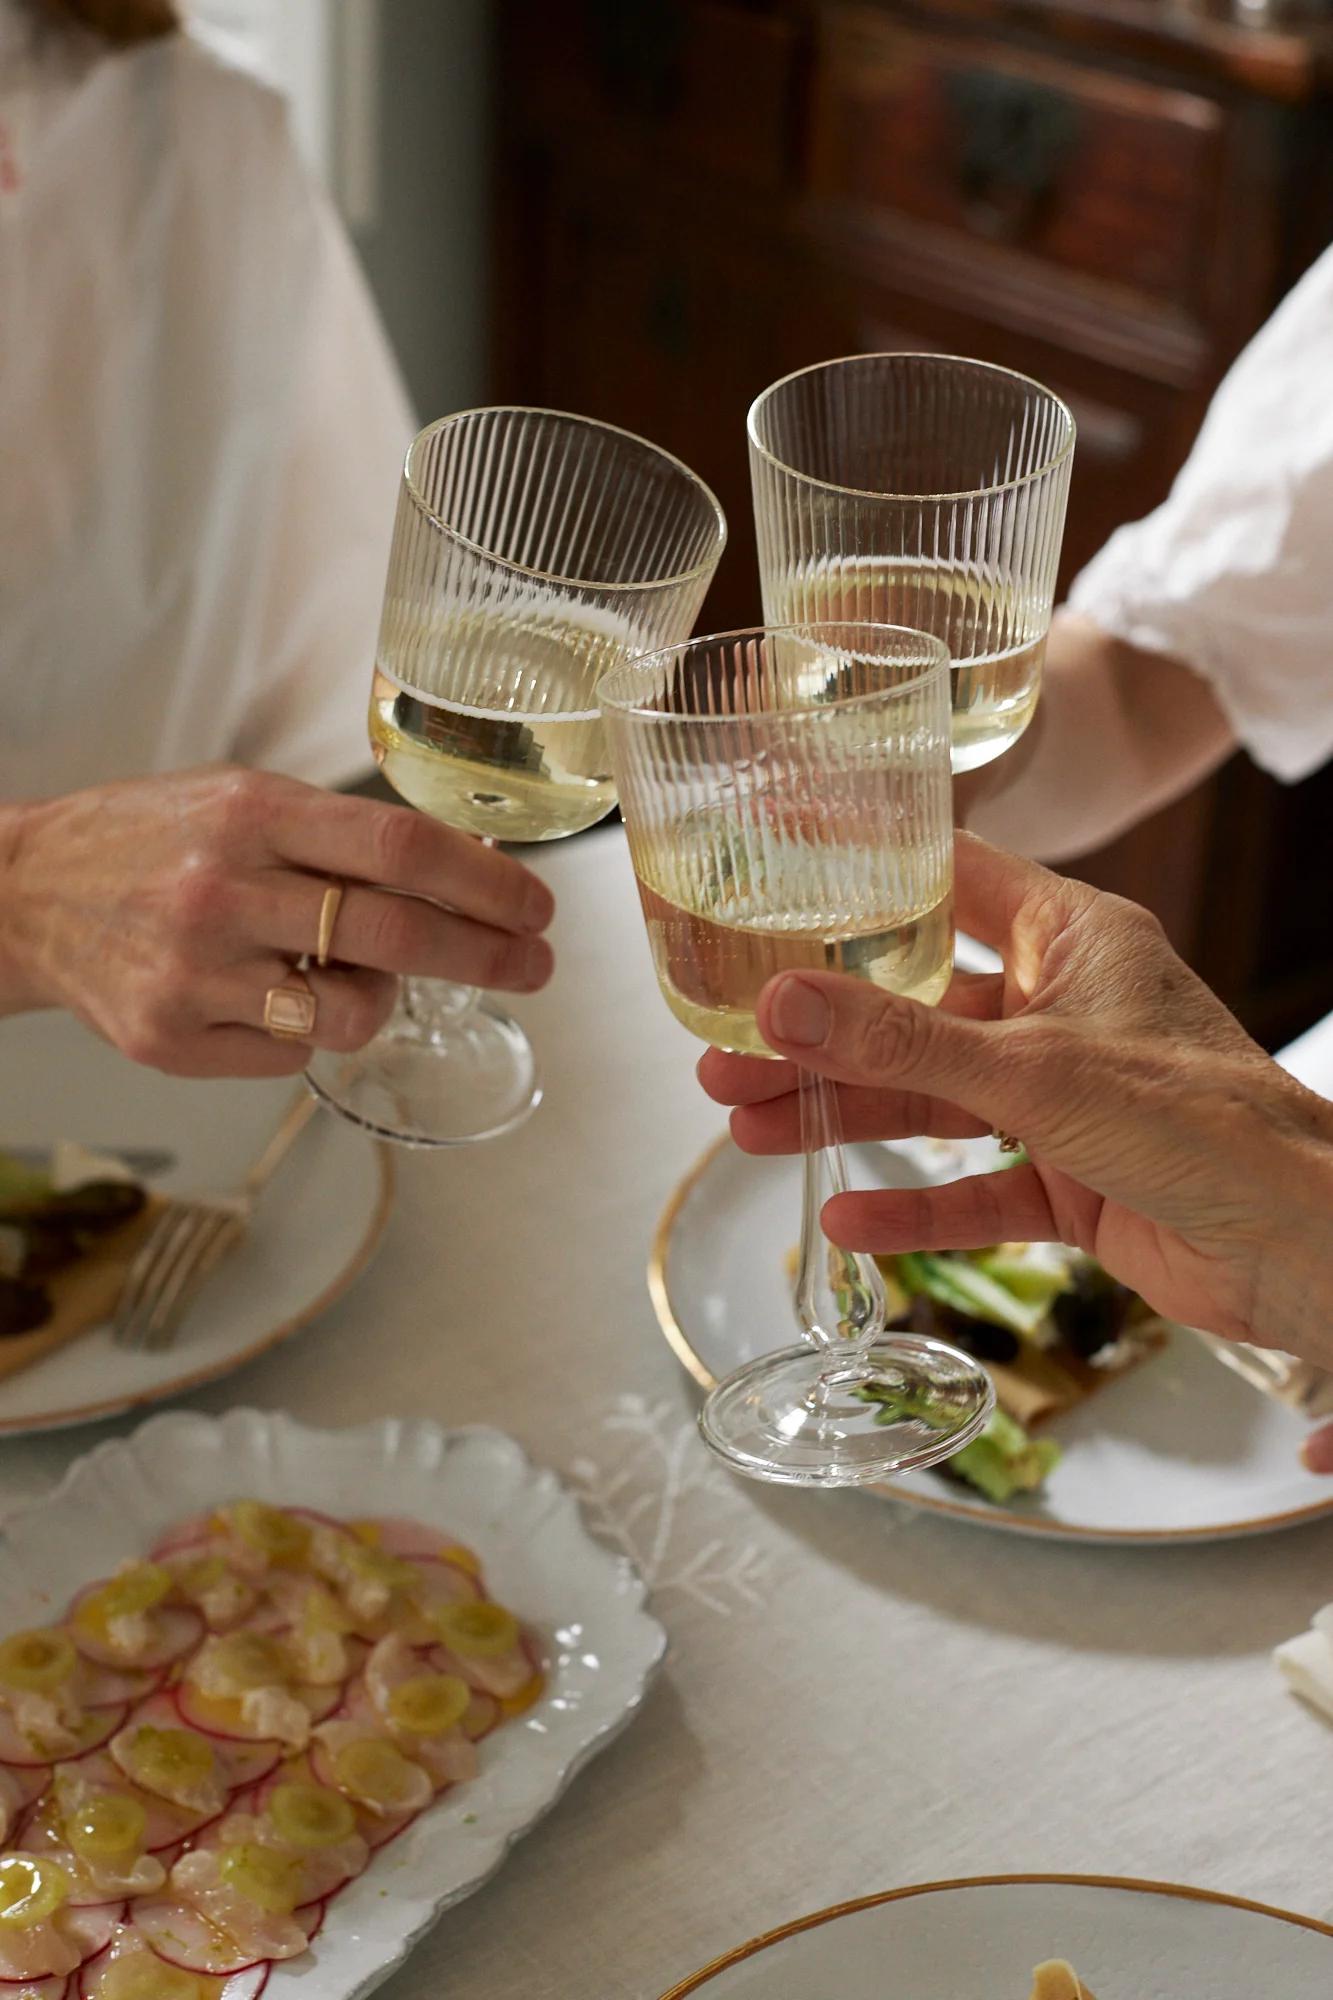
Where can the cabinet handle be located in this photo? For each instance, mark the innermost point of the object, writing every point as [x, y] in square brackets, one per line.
[638, 46]
[1014, 139]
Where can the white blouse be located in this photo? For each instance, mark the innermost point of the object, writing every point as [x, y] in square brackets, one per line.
[1233, 573]
[201, 426]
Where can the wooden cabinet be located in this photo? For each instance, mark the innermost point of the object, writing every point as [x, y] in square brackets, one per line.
[697, 196]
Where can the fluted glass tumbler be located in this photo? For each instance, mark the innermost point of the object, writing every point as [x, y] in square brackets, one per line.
[786, 798]
[921, 490]
[531, 551]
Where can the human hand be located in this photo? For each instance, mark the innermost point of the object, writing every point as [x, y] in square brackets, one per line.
[161, 911]
[1160, 1138]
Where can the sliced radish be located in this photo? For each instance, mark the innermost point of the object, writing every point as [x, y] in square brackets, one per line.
[110, 1687]
[505, 1675]
[186, 1534]
[213, 1716]
[92, 1926]
[20, 1788]
[166, 1825]
[398, 1537]
[482, 1716]
[311, 1917]
[55, 1988]
[326, 1871]
[247, 1985]
[238, 1763]
[440, 1581]
[95, 1727]
[174, 1630]
[181, 1936]
[446, 1759]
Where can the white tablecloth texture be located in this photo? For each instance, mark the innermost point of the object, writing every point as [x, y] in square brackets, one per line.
[855, 1696]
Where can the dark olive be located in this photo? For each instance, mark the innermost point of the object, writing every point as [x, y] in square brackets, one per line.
[1092, 1313]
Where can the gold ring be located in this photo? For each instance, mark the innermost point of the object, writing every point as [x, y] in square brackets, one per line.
[1007, 1141]
[290, 1009]
[328, 917]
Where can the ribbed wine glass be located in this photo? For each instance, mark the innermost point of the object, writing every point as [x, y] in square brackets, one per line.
[786, 797]
[531, 551]
[920, 490]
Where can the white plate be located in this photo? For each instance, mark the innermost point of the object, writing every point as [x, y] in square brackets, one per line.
[316, 1228]
[980, 1940]
[587, 1605]
[1179, 1450]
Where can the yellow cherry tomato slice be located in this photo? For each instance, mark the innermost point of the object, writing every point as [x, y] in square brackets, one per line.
[310, 1816]
[38, 1662]
[476, 1631]
[430, 1704]
[269, 1531]
[32, 1889]
[376, 1773]
[271, 1880]
[108, 1824]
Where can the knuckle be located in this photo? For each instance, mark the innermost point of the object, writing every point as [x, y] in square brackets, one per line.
[201, 896]
[393, 934]
[890, 1041]
[399, 840]
[239, 798]
[356, 1020]
[498, 963]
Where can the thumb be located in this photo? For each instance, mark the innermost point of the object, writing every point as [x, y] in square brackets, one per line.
[854, 1032]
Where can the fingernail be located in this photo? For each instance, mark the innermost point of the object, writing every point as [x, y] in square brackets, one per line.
[799, 1013]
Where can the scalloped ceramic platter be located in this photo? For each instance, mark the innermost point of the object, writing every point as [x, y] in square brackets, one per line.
[979, 1940]
[1179, 1450]
[586, 1604]
[316, 1228]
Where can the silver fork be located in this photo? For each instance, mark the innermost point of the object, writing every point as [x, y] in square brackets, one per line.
[190, 1238]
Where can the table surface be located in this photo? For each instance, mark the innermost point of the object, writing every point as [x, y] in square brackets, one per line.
[855, 1696]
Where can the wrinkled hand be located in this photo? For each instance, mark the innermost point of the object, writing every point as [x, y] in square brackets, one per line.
[161, 911]
[1160, 1137]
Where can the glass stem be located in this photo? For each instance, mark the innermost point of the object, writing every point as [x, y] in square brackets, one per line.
[839, 1293]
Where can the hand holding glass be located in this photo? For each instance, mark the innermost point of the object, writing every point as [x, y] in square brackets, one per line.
[531, 551]
[786, 797]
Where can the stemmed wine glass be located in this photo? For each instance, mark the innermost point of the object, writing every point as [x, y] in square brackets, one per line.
[531, 551]
[786, 798]
[921, 490]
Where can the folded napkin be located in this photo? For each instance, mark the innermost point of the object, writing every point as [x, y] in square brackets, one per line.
[1306, 1663]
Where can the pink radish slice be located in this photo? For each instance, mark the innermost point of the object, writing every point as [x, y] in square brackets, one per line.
[376, 1829]
[91, 1926]
[239, 1763]
[505, 1675]
[247, 1985]
[442, 1582]
[112, 1687]
[482, 1716]
[446, 1759]
[165, 1825]
[95, 1728]
[216, 1838]
[174, 1630]
[218, 1719]
[311, 1916]
[186, 1534]
[178, 1934]
[54, 1988]
[20, 1789]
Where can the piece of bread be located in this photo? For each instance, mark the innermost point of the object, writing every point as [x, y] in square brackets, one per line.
[83, 1294]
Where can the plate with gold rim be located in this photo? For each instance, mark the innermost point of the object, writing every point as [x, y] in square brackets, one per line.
[980, 1939]
[1178, 1450]
[316, 1228]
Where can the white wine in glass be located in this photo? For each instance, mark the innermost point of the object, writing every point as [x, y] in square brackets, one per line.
[923, 490]
[786, 798]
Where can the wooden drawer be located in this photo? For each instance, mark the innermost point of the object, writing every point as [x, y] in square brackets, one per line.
[1101, 175]
[713, 83]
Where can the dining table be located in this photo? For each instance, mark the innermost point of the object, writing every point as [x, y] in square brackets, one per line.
[856, 1695]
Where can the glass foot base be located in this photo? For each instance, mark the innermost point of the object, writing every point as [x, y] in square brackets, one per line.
[463, 1080]
[918, 1402]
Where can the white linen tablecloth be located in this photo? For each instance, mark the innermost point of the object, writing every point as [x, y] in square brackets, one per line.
[855, 1696]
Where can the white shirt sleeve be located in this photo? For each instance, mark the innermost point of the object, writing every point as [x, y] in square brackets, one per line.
[336, 488]
[1233, 574]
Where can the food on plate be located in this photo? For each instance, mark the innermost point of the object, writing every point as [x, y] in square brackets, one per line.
[212, 1743]
[1057, 1980]
[68, 1234]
